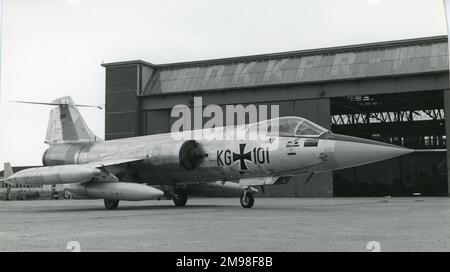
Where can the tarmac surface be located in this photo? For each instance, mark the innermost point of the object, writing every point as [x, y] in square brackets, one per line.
[220, 224]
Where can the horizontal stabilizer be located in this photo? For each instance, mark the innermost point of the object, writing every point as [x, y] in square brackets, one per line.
[65, 123]
[55, 103]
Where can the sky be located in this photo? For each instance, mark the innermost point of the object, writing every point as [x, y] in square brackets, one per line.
[54, 48]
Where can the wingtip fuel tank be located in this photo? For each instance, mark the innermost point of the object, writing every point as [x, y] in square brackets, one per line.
[61, 174]
[115, 191]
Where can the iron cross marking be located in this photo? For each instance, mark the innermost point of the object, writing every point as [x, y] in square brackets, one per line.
[242, 156]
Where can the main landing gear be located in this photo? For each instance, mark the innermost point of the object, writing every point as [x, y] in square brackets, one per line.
[180, 197]
[111, 204]
[247, 199]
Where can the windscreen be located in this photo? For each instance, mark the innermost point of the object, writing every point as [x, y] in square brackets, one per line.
[288, 126]
[308, 128]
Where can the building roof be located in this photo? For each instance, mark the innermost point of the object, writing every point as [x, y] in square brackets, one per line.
[392, 58]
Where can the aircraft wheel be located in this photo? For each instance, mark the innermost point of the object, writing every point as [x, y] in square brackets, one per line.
[180, 198]
[111, 204]
[247, 200]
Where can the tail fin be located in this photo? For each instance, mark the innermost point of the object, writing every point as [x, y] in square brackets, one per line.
[66, 124]
[8, 171]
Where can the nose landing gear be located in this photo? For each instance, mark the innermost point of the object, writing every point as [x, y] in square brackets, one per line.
[247, 199]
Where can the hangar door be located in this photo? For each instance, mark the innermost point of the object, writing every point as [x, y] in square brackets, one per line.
[414, 120]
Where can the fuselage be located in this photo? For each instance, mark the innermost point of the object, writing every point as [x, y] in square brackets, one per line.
[204, 160]
[226, 160]
[161, 162]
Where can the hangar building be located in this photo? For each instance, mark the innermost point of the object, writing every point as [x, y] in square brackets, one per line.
[395, 91]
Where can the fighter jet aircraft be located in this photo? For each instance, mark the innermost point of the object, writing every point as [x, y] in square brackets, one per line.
[126, 169]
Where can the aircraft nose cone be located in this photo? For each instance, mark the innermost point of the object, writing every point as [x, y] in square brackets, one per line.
[352, 151]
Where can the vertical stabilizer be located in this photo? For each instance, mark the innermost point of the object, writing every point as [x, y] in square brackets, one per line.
[8, 171]
[66, 124]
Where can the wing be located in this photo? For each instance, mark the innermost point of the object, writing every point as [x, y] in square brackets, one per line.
[263, 181]
[115, 169]
[217, 189]
[113, 162]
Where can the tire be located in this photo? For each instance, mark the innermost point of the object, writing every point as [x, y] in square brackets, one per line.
[111, 204]
[248, 202]
[180, 198]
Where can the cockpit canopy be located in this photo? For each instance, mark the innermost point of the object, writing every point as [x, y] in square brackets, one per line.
[288, 126]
